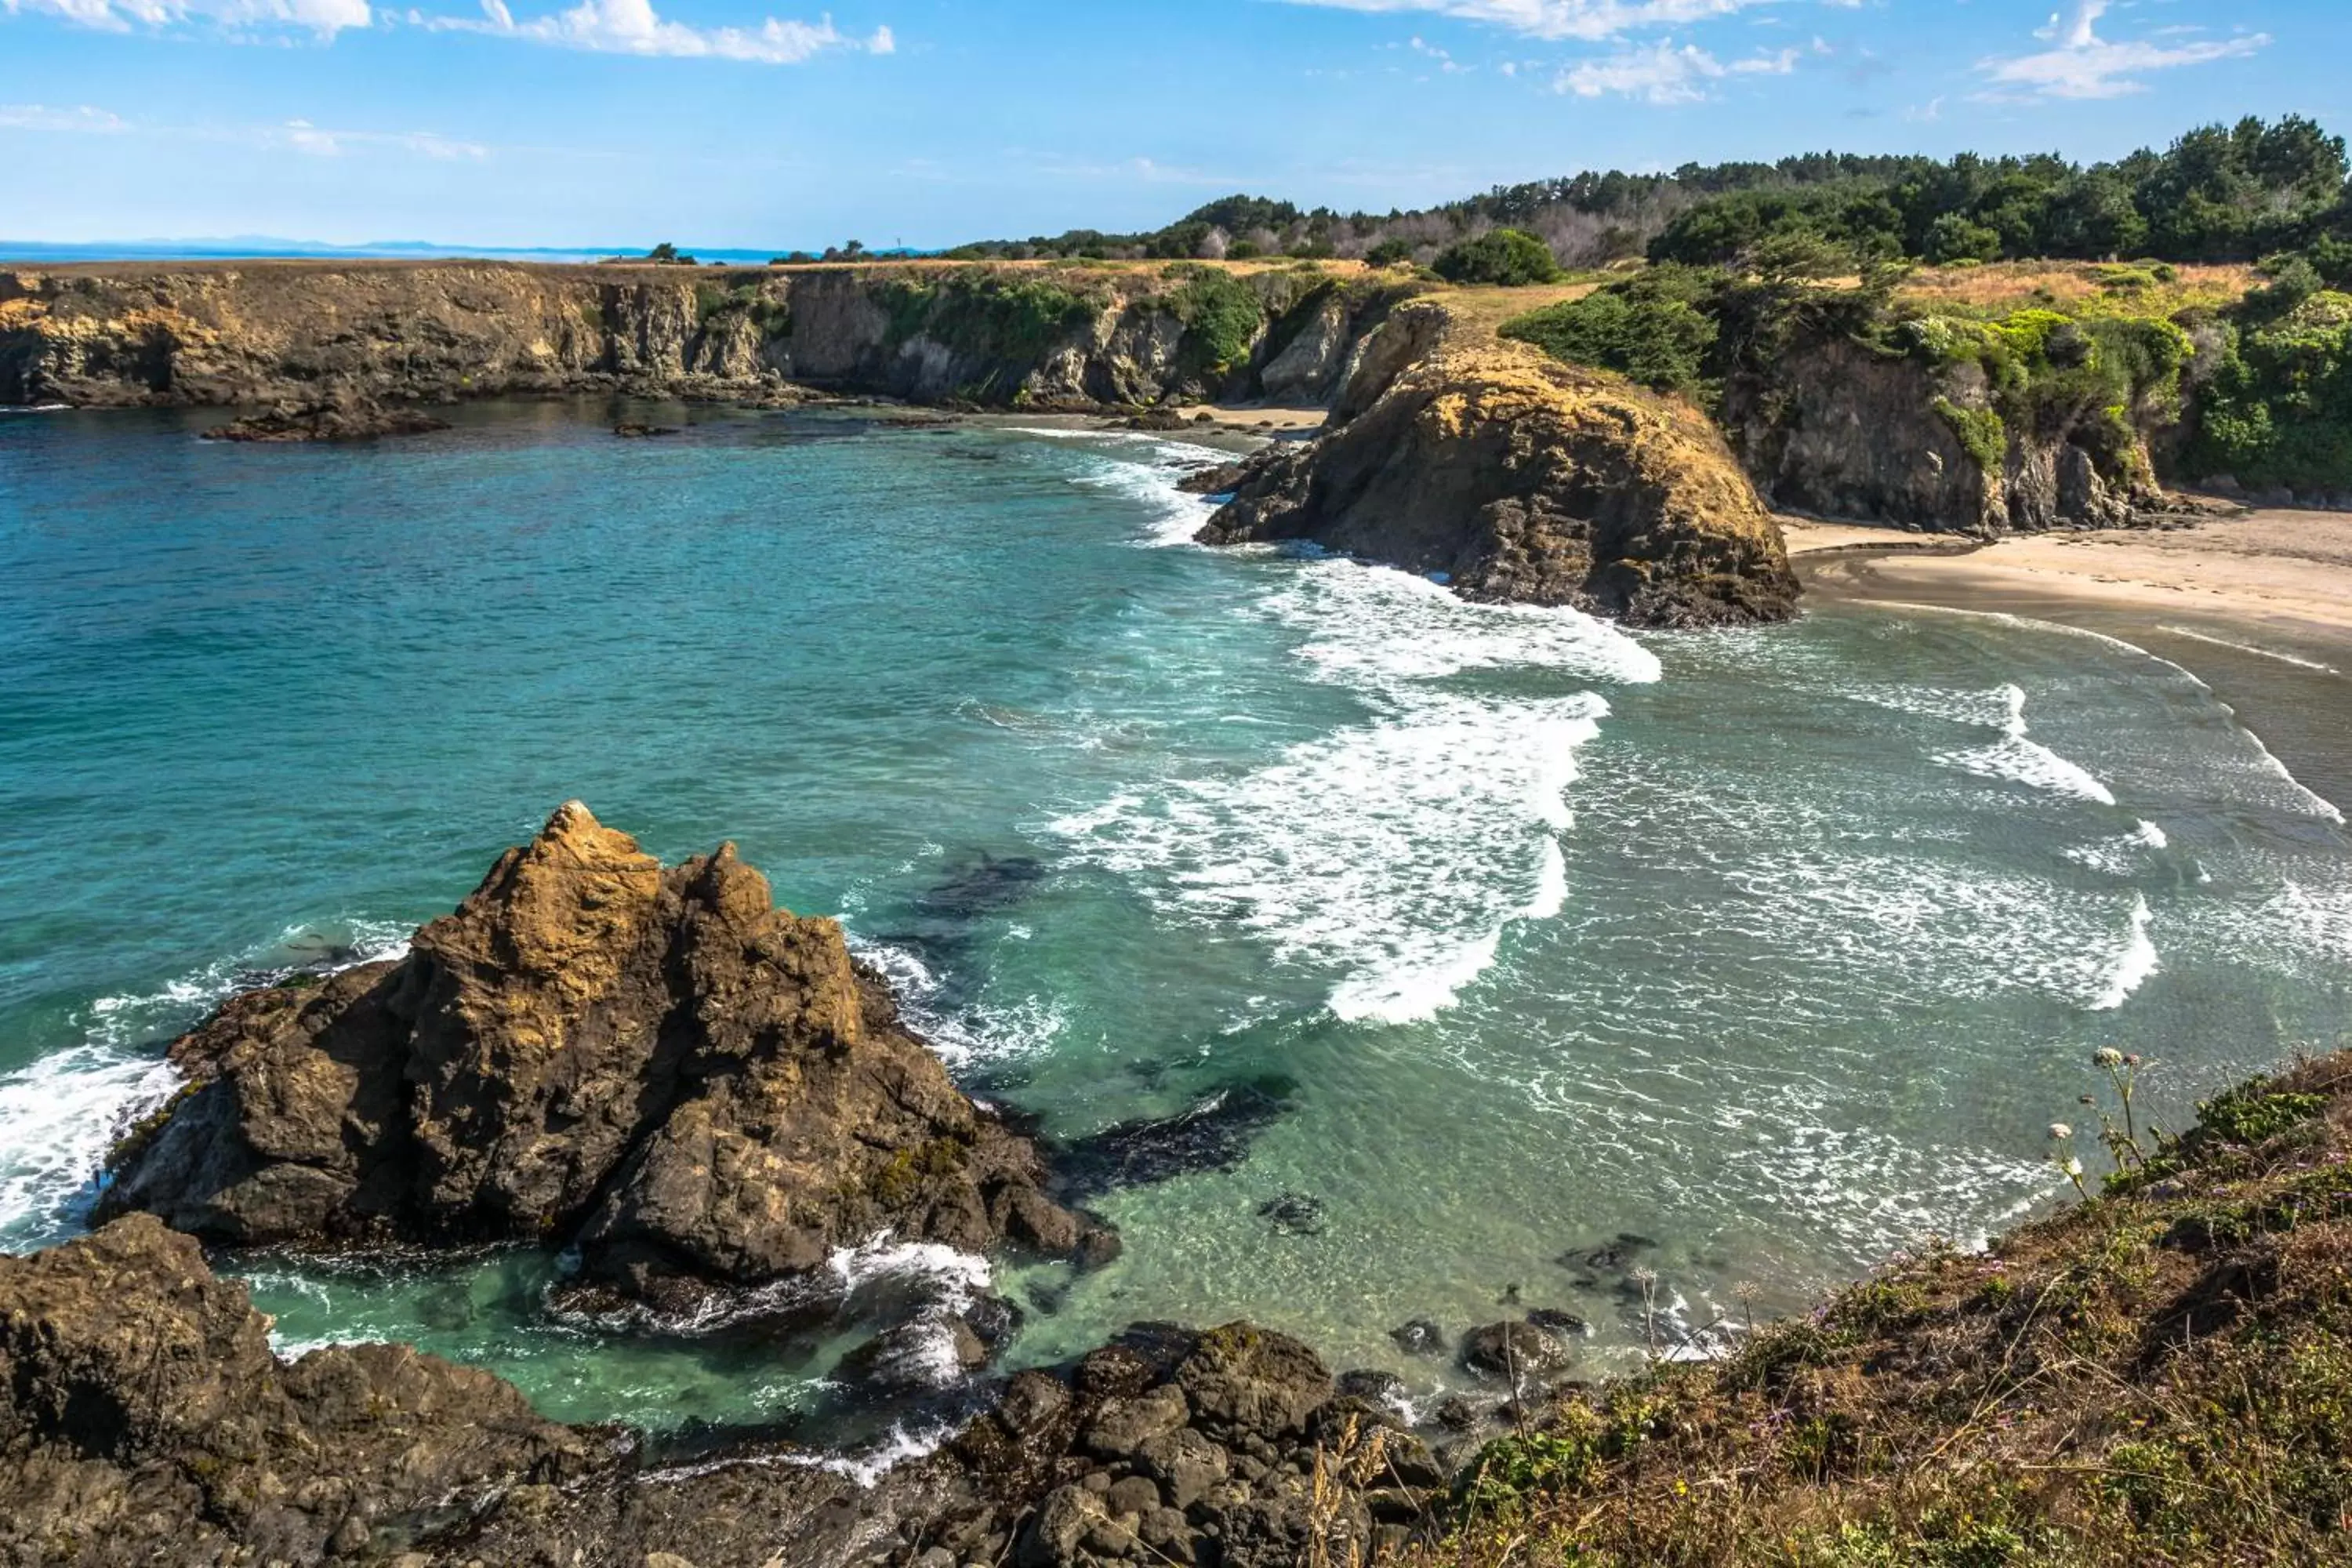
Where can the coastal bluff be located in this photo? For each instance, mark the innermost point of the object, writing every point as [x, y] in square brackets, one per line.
[702, 1093]
[265, 332]
[1515, 477]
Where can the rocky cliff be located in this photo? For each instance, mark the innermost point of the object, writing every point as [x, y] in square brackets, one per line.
[1514, 477]
[273, 332]
[699, 1091]
[1849, 429]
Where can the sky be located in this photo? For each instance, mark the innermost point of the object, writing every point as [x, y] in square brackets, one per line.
[760, 124]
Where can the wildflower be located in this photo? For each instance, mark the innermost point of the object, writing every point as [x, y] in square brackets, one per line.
[2074, 1168]
[2131, 1060]
[2059, 1131]
[2107, 1057]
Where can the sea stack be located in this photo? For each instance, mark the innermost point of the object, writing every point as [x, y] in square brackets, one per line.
[1515, 477]
[700, 1091]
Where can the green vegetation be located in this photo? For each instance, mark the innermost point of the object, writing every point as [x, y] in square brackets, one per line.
[1653, 328]
[2160, 1375]
[1010, 317]
[2276, 407]
[1505, 257]
[2221, 192]
[1221, 317]
[1980, 432]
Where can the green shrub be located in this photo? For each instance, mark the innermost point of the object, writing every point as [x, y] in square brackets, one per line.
[1506, 256]
[1388, 253]
[1008, 317]
[1980, 432]
[1648, 328]
[2277, 409]
[1221, 317]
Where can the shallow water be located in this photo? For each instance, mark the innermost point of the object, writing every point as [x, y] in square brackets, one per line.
[1481, 935]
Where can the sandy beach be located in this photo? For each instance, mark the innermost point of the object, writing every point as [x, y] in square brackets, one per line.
[2258, 605]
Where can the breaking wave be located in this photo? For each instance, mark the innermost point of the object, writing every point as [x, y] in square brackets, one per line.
[60, 1115]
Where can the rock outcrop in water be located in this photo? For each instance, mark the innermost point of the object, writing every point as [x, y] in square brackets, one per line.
[1521, 478]
[144, 1420]
[700, 1090]
[330, 420]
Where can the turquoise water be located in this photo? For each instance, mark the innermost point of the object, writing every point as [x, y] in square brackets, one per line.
[1481, 935]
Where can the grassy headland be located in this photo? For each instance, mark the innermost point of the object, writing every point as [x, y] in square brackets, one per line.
[2160, 1374]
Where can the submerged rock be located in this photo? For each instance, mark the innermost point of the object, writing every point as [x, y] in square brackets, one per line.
[333, 419]
[1521, 478]
[697, 1089]
[1515, 1350]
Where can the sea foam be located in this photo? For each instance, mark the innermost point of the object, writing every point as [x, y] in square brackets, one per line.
[2018, 760]
[60, 1115]
[1394, 853]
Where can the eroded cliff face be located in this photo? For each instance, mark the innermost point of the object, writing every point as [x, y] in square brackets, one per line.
[1521, 478]
[699, 1091]
[263, 333]
[1844, 430]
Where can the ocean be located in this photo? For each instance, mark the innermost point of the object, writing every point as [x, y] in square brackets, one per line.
[1375, 955]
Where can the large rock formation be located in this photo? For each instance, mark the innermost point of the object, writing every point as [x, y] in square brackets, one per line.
[1521, 478]
[143, 1420]
[700, 1090]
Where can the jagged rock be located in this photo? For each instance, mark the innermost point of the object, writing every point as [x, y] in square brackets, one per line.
[701, 1091]
[1303, 372]
[1122, 1427]
[1838, 430]
[1186, 1465]
[334, 420]
[1514, 476]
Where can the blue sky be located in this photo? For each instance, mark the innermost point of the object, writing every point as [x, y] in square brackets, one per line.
[760, 123]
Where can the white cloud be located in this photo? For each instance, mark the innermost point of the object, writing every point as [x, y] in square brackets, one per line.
[1663, 73]
[291, 135]
[634, 27]
[1590, 20]
[324, 18]
[301, 136]
[41, 116]
[2081, 64]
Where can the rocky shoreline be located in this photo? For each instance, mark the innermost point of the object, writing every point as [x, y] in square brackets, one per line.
[710, 1106]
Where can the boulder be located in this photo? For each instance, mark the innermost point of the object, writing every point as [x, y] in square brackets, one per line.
[1513, 1350]
[700, 1090]
[1243, 1379]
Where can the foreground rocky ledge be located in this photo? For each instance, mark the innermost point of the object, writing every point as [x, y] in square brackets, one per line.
[1515, 477]
[2156, 1376]
[701, 1093]
[143, 1419]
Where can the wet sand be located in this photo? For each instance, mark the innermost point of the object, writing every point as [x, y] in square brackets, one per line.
[2258, 607]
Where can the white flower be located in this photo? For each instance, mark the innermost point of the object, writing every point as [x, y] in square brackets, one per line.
[2107, 1057]
[2074, 1168]
[2059, 1131]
